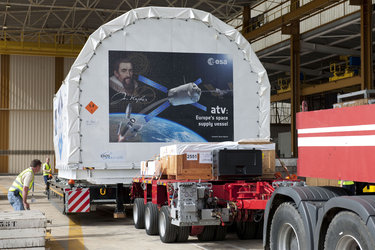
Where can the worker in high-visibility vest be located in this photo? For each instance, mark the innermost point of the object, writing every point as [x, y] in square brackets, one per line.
[47, 171]
[349, 185]
[17, 194]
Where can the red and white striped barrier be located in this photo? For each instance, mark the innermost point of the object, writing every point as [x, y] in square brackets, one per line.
[333, 143]
[78, 200]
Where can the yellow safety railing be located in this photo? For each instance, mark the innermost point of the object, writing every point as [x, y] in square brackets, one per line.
[271, 14]
[46, 44]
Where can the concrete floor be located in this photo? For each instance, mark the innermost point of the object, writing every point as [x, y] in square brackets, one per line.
[98, 230]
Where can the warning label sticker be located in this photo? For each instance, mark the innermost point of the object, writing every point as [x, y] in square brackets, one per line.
[91, 107]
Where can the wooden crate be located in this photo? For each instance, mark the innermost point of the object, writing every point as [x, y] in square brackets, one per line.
[180, 168]
[321, 182]
[258, 142]
[268, 163]
[268, 159]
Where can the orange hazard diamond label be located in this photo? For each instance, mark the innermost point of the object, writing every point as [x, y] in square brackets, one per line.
[91, 107]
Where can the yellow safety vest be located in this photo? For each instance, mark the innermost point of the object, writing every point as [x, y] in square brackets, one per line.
[47, 167]
[347, 183]
[18, 184]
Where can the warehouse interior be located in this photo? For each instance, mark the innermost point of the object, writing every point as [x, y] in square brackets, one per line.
[40, 39]
[312, 50]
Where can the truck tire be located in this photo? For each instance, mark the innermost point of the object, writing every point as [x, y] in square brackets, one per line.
[183, 234]
[139, 213]
[220, 233]
[151, 219]
[348, 231]
[207, 234]
[259, 233]
[287, 229]
[246, 230]
[167, 231]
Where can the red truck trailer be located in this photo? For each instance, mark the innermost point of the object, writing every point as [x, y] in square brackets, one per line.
[332, 144]
[199, 208]
[175, 208]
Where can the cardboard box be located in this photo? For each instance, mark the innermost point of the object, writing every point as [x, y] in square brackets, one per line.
[150, 168]
[143, 167]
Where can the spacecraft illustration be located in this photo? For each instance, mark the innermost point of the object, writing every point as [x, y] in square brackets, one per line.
[129, 128]
[188, 93]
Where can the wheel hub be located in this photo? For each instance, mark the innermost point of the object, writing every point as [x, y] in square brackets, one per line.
[162, 224]
[288, 239]
[135, 213]
[147, 217]
[348, 242]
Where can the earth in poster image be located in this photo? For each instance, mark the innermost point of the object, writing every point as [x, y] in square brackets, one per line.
[156, 130]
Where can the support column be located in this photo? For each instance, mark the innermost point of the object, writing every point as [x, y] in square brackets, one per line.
[120, 210]
[59, 72]
[295, 83]
[366, 45]
[4, 113]
[246, 19]
[59, 77]
[295, 101]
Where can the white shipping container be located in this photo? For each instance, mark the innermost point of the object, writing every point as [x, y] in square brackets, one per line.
[154, 77]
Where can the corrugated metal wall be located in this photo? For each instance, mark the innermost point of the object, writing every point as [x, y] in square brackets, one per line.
[68, 62]
[31, 82]
[4, 113]
[32, 87]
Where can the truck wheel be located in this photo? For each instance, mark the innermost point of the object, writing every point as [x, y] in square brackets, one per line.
[207, 234]
[220, 233]
[139, 213]
[167, 231]
[246, 230]
[348, 231]
[287, 229]
[259, 233]
[151, 219]
[183, 234]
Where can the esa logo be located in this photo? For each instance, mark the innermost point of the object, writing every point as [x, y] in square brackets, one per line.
[111, 156]
[106, 156]
[212, 61]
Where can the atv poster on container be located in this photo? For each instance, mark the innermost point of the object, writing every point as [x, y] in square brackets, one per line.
[170, 97]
